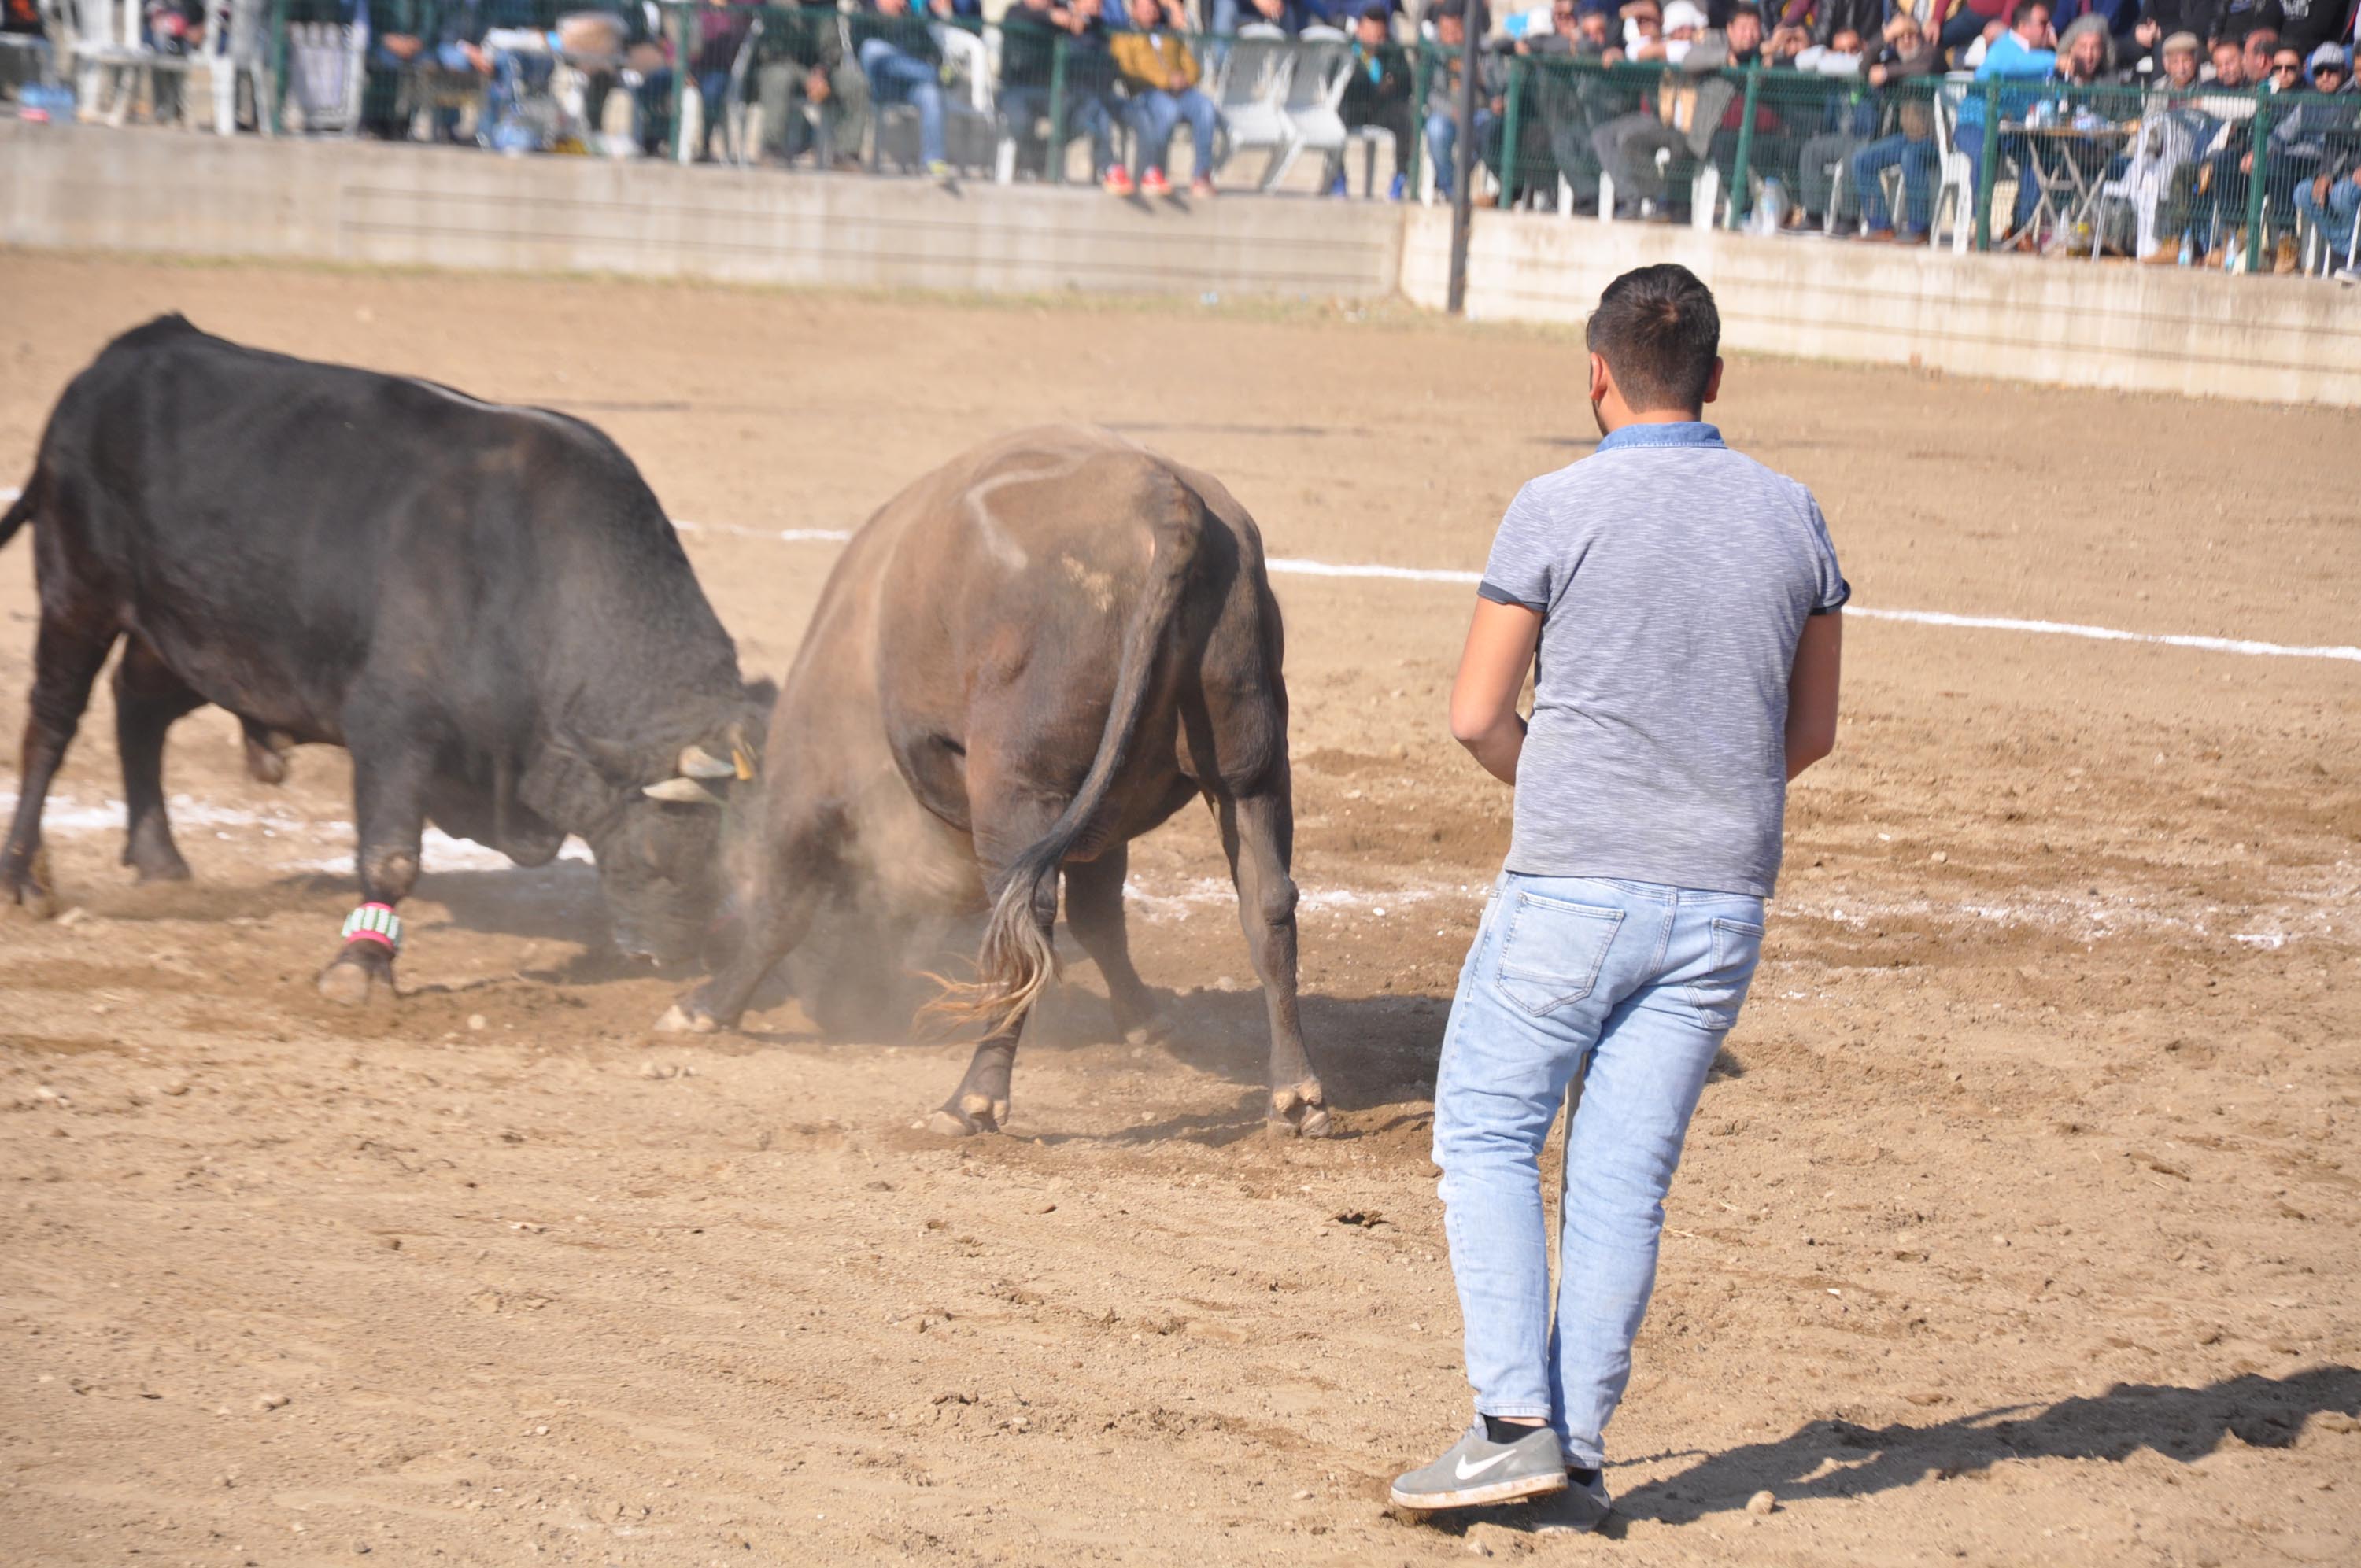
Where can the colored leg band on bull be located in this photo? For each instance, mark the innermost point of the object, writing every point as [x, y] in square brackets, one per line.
[375, 923]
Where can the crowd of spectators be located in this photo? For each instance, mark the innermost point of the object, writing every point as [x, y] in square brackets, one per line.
[2176, 83]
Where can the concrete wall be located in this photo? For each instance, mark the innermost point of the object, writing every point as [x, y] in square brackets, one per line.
[2154, 330]
[86, 187]
[2019, 318]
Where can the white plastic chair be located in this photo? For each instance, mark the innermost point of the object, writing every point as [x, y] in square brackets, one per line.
[1705, 190]
[1955, 171]
[1251, 93]
[238, 48]
[326, 73]
[111, 59]
[1316, 78]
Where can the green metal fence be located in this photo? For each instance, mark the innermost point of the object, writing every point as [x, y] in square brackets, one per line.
[2231, 176]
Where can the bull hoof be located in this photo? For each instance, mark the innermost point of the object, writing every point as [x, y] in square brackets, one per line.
[676, 1021]
[968, 1114]
[350, 984]
[1298, 1113]
[30, 895]
[152, 870]
[1153, 1030]
[943, 1124]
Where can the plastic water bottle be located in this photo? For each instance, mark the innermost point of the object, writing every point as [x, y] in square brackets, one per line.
[1771, 212]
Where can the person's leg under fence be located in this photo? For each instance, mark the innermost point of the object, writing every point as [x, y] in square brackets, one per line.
[1204, 120]
[1635, 167]
[1868, 178]
[1639, 1087]
[1918, 171]
[1153, 116]
[1441, 137]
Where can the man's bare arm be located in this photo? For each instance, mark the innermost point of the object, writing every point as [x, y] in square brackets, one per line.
[1492, 670]
[1812, 691]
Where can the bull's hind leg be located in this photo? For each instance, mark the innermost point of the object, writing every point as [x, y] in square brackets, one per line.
[1259, 835]
[1094, 913]
[148, 697]
[67, 657]
[1007, 822]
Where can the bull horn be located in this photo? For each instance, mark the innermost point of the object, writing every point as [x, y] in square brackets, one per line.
[697, 762]
[681, 791]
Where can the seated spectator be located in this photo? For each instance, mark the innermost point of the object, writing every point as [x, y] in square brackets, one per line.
[814, 99]
[1976, 21]
[1378, 93]
[1684, 23]
[1907, 53]
[1831, 19]
[2157, 175]
[1444, 92]
[2086, 53]
[2308, 24]
[2331, 199]
[2303, 140]
[1681, 119]
[1741, 36]
[2026, 53]
[2256, 46]
[176, 30]
[2221, 178]
[1156, 64]
[721, 32]
[2162, 19]
[2236, 18]
[904, 64]
[1030, 33]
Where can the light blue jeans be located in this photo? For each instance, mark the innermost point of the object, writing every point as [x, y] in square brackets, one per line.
[895, 77]
[1631, 986]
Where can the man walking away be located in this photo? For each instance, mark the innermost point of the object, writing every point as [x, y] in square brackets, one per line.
[1683, 600]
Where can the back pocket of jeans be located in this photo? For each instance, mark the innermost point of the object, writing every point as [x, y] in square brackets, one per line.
[1552, 950]
[1717, 993]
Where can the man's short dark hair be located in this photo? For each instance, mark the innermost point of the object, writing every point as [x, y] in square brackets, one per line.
[1659, 332]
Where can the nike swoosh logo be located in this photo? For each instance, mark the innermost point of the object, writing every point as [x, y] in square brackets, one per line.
[1469, 1471]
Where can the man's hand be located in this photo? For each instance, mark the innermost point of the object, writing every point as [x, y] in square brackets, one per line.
[2246, 164]
[1877, 75]
[1492, 670]
[1993, 31]
[2146, 33]
[816, 86]
[403, 47]
[1812, 691]
[477, 58]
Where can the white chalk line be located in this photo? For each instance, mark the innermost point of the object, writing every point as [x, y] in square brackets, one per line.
[1291, 565]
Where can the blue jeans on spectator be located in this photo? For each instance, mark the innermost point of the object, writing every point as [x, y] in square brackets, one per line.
[1086, 115]
[1631, 986]
[1442, 139]
[898, 78]
[1970, 140]
[1916, 159]
[1155, 115]
[2337, 217]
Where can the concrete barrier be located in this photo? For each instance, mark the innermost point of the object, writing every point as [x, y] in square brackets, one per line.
[86, 187]
[2015, 317]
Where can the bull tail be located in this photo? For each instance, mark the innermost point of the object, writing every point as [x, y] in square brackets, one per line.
[20, 510]
[1017, 960]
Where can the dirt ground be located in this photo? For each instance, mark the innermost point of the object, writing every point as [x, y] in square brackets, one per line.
[2009, 1231]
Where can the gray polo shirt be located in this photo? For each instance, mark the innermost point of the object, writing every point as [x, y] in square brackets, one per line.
[1673, 577]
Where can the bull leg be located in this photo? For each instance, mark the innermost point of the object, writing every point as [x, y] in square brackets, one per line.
[775, 924]
[1095, 914]
[1008, 821]
[67, 657]
[390, 773]
[148, 698]
[1258, 836]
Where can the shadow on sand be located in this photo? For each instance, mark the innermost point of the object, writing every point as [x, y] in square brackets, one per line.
[1843, 1459]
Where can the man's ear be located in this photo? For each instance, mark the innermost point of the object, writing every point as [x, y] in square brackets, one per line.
[1713, 382]
[1602, 380]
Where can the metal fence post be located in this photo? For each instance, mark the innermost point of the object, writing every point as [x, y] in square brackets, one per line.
[685, 24]
[1744, 162]
[1509, 116]
[1056, 156]
[1411, 169]
[1987, 160]
[2257, 176]
[270, 112]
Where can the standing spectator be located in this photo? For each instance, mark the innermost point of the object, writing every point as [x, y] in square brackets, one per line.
[2027, 52]
[1686, 111]
[806, 78]
[2161, 19]
[2120, 16]
[1156, 63]
[2308, 24]
[1442, 92]
[1378, 93]
[1906, 54]
[904, 64]
[2239, 18]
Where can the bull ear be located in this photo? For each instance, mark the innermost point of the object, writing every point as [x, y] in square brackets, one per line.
[681, 791]
[697, 762]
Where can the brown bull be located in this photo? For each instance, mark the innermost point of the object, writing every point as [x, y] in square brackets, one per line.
[1027, 659]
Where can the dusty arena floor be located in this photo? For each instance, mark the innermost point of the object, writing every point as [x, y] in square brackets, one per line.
[2009, 1231]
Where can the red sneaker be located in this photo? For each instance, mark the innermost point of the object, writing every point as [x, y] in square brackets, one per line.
[1153, 184]
[1117, 182]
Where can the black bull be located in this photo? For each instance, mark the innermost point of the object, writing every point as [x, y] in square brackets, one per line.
[485, 605]
[1028, 658]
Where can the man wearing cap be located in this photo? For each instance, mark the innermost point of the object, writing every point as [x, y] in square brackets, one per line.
[2155, 174]
[2331, 199]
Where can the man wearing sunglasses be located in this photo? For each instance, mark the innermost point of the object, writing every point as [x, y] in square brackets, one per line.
[2331, 199]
